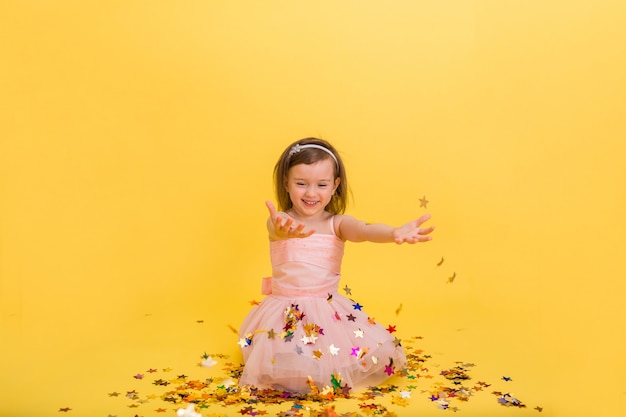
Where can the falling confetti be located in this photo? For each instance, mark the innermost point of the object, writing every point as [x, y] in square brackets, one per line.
[208, 362]
[440, 262]
[423, 202]
[399, 309]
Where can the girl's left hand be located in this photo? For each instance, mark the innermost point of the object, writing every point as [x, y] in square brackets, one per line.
[412, 232]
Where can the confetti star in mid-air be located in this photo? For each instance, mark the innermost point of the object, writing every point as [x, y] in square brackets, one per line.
[333, 350]
[347, 290]
[423, 202]
[208, 362]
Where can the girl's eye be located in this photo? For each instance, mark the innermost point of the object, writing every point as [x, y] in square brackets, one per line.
[322, 185]
[301, 184]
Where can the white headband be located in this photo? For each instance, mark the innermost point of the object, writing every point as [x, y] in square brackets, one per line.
[297, 148]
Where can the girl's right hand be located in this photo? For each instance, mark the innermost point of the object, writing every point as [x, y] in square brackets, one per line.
[285, 227]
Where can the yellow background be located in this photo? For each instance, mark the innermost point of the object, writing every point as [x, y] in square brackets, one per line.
[137, 140]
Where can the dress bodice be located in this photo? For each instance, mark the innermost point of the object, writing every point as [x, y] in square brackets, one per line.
[308, 267]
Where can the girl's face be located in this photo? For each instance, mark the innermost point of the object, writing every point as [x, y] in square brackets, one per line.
[311, 187]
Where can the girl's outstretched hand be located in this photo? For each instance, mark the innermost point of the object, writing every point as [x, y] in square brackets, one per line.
[285, 227]
[412, 232]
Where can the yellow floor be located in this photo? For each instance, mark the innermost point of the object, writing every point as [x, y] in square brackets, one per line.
[136, 369]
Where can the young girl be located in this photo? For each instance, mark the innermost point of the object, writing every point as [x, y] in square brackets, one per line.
[305, 335]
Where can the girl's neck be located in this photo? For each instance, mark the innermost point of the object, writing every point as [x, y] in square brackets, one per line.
[318, 218]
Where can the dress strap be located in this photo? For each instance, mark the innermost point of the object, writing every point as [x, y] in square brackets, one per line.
[332, 224]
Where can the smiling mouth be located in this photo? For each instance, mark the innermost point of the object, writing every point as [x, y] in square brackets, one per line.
[310, 203]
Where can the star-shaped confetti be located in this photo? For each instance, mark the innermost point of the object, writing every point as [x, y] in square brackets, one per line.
[209, 362]
[347, 290]
[450, 387]
[190, 411]
[423, 202]
[357, 306]
[389, 370]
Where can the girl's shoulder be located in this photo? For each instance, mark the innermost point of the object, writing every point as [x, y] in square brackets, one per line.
[338, 220]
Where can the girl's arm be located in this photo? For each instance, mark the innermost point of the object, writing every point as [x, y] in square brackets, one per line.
[356, 230]
[281, 226]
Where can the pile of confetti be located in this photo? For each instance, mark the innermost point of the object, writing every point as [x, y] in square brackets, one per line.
[220, 396]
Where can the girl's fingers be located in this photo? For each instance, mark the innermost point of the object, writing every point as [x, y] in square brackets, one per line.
[426, 230]
[271, 208]
[422, 219]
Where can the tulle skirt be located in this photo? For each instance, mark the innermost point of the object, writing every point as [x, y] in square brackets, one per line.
[292, 343]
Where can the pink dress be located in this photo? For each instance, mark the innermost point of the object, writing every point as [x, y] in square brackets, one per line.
[305, 330]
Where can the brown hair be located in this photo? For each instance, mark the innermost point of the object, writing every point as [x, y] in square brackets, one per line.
[307, 156]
